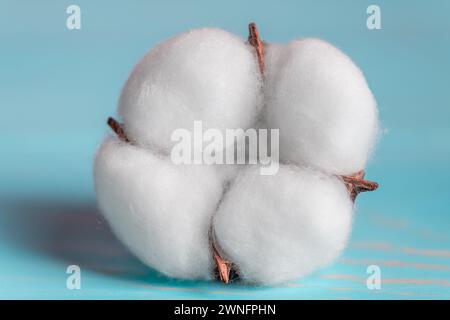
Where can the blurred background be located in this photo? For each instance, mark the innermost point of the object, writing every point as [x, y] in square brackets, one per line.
[58, 86]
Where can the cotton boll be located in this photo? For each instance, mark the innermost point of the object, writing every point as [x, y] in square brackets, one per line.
[161, 211]
[320, 101]
[205, 74]
[282, 227]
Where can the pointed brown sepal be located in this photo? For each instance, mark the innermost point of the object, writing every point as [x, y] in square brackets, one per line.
[225, 270]
[223, 267]
[356, 184]
[255, 41]
[118, 129]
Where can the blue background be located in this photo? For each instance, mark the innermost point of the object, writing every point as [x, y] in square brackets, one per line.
[57, 87]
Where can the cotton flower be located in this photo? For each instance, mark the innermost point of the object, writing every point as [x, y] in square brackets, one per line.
[204, 221]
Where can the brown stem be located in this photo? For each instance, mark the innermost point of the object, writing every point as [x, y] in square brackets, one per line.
[118, 129]
[255, 41]
[356, 184]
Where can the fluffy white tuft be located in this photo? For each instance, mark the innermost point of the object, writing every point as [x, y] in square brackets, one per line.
[205, 74]
[282, 227]
[275, 228]
[320, 101]
[161, 211]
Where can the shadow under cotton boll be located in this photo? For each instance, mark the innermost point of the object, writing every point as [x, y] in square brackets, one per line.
[74, 233]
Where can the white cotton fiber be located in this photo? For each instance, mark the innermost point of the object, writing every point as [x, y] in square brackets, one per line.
[161, 211]
[320, 101]
[273, 228]
[208, 75]
[282, 227]
[274, 59]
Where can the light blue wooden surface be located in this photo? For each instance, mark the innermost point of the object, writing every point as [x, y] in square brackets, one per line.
[57, 87]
